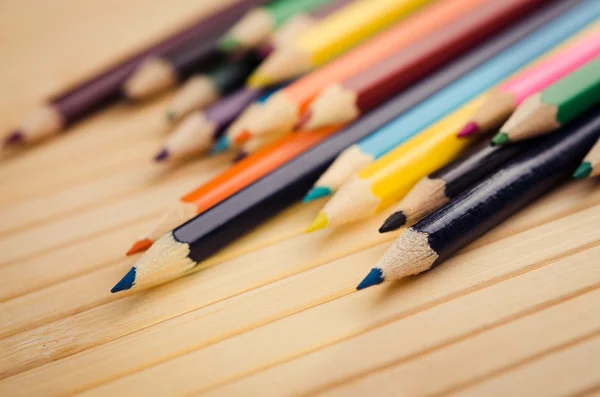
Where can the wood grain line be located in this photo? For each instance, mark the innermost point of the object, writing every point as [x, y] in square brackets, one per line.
[567, 371]
[217, 323]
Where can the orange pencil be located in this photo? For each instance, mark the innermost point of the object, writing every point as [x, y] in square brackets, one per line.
[232, 181]
[281, 112]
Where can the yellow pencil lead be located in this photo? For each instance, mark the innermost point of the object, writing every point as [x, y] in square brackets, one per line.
[320, 222]
[259, 80]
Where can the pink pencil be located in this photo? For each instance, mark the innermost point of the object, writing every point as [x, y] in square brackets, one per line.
[502, 102]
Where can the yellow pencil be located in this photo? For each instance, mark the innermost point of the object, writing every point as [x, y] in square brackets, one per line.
[330, 37]
[391, 177]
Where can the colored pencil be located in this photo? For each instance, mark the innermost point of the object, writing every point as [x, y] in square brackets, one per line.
[439, 235]
[158, 74]
[203, 89]
[555, 106]
[590, 166]
[293, 28]
[441, 186]
[502, 102]
[341, 103]
[285, 179]
[231, 181]
[330, 37]
[200, 129]
[257, 25]
[283, 111]
[482, 78]
[64, 109]
[390, 178]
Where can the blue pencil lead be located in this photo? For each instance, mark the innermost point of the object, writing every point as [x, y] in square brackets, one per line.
[316, 192]
[126, 282]
[374, 277]
[221, 145]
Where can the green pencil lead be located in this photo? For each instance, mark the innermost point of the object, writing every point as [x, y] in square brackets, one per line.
[583, 171]
[500, 138]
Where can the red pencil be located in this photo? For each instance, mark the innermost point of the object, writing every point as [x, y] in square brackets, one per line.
[343, 102]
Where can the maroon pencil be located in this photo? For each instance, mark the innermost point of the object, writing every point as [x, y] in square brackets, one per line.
[344, 102]
[65, 108]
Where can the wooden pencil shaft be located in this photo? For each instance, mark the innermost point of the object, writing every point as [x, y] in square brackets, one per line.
[476, 163]
[537, 170]
[78, 101]
[387, 77]
[218, 226]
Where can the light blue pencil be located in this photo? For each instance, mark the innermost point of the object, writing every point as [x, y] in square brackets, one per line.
[453, 96]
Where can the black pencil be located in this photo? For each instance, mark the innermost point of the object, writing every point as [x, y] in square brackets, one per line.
[182, 250]
[534, 172]
[157, 74]
[439, 187]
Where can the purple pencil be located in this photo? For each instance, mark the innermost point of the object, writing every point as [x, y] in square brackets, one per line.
[65, 108]
[200, 129]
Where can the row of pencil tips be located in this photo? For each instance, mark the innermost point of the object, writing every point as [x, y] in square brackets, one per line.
[371, 139]
[374, 103]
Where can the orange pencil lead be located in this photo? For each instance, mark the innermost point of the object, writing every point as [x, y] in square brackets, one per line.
[139, 246]
[242, 137]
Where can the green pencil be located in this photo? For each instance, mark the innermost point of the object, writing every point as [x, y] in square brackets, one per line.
[258, 24]
[555, 106]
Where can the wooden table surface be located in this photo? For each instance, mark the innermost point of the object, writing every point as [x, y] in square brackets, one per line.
[516, 313]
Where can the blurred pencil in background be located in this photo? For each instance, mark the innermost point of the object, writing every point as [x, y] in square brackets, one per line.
[284, 110]
[200, 129]
[203, 89]
[255, 28]
[64, 109]
[159, 73]
[330, 37]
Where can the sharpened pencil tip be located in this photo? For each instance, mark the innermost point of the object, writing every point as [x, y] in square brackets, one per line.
[139, 246]
[14, 138]
[126, 282]
[242, 137]
[374, 277]
[161, 156]
[221, 145]
[500, 138]
[304, 119]
[316, 192]
[471, 128]
[228, 44]
[320, 222]
[393, 222]
[583, 171]
[240, 156]
[259, 80]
